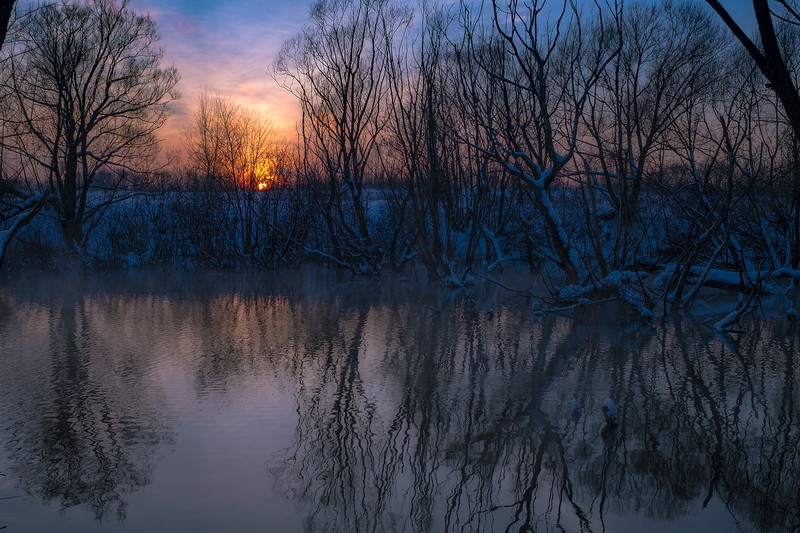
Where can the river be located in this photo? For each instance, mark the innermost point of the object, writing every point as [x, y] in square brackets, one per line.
[308, 401]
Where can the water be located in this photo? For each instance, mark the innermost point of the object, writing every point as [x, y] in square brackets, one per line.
[305, 401]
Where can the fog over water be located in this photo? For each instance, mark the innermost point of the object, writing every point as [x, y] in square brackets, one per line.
[308, 401]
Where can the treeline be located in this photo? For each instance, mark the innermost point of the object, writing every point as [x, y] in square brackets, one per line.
[588, 142]
[594, 143]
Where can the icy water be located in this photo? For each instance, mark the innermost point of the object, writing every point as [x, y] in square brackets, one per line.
[305, 401]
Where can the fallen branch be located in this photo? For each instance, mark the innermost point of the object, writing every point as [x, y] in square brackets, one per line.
[619, 283]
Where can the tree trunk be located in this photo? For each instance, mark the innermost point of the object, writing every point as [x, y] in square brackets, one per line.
[6, 8]
[70, 223]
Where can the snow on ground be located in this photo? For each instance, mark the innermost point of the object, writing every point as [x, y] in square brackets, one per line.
[196, 229]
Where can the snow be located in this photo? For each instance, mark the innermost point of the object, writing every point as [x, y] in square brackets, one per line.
[611, 412]
[726, 277]
[169, 230]
[575, 407]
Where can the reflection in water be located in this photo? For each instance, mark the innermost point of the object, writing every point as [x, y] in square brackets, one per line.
[414, 409]
[470, 427]
[83, 428]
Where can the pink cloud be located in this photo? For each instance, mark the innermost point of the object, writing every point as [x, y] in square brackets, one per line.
[183, 25]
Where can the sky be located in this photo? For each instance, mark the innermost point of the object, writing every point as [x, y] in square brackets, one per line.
[227, 48]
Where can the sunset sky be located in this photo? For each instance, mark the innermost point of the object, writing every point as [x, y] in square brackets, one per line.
[227, 47]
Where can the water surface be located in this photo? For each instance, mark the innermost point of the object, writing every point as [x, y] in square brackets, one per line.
[306, 401]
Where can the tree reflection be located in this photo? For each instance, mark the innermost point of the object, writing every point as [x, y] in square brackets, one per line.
[462, 422]
[419, 410]
[331, 392]
[73, 440]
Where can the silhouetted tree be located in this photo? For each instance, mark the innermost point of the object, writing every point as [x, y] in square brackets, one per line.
[669, 56]
[85, 92]
[6, 8]
[20, 209]
[236, 147]
[337, 68]
[545, 69]
[769, 57]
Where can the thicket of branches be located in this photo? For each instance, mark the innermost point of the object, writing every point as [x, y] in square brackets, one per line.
[598, 145]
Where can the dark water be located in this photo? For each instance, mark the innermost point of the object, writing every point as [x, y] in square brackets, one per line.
[303, 401]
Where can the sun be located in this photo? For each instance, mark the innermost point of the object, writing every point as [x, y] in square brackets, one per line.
[264, 174]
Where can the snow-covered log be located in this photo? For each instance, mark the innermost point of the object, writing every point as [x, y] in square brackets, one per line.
[744, 305]
[452, 278]
[725, 279]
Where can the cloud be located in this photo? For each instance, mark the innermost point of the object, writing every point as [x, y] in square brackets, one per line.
[184, 26]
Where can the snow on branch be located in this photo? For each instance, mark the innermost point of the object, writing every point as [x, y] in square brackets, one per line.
[726, 279]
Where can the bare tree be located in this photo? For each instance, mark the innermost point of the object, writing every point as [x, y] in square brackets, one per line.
[337, 68]
[235, 148]
[425, 147]
[668, 56]
[85, 93]
[16, 208]
[6, 8]
[784, 194]
[545, 67]
[769, 57]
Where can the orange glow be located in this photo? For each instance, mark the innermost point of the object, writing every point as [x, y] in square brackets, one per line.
[264, 174]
